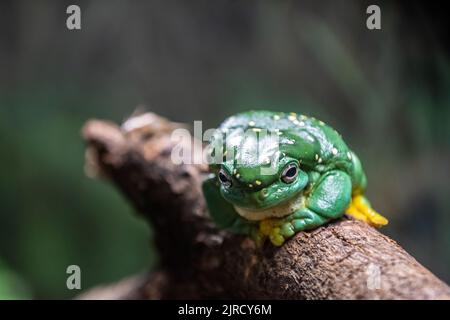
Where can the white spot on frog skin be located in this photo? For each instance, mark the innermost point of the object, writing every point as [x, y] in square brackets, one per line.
[302, 117]
[250, 185]
[258, 183]
[292, 118]
[311, 139]
[234, 171]
[256, 129]
[334, 151]
[276, 117]
[349, 155]
[237, 175]
[279, 133]
[316, 157]
[296, 122]
[321, 123]
[301, 123]
[251, 123]
[319, 160]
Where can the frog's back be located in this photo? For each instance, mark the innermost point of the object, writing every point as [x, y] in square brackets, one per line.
[316, 145]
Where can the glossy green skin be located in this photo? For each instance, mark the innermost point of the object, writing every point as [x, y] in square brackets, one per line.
[328, 174]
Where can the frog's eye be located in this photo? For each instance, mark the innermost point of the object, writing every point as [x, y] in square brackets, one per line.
[290, 172]
[224, 178]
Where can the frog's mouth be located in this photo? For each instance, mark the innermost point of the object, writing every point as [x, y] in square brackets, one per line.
[278, 211]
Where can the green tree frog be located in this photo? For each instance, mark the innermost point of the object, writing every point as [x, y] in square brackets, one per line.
[282, 173]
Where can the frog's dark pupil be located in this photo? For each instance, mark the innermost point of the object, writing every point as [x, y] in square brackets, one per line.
[223, 178]
[291, 172]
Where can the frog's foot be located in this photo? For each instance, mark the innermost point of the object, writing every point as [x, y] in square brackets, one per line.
[280, 230]
[276, 230]
[360, 209]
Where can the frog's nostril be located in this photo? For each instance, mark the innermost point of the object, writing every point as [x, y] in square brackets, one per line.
[263, 194]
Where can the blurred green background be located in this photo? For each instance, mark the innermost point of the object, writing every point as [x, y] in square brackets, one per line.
[386, 91]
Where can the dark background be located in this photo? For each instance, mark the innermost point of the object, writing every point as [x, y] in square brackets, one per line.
[387, 91]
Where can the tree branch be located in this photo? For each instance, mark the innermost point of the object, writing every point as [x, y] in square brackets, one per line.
[340, 260]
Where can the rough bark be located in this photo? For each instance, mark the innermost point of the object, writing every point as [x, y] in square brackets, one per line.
[337, 261]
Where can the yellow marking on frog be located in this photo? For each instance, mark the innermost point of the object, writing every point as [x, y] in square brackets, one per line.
[237, 175]
[256, 129]
[292, 117]
[266, 226]
[270, 228]
[258, 183]
[360, 209]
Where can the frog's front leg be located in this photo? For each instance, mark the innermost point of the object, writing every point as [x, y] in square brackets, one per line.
[328, 200]
[223, 213]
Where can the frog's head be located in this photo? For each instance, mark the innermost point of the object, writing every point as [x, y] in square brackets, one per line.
[262, 183]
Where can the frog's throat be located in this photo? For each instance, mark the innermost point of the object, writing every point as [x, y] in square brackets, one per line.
[281, 210]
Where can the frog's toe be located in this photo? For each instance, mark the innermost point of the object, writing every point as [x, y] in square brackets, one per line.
[287, 230]
[276, 237]
[378, 220]
[355, 213]
[266, 226]
[277, 240]
[360, 209]
[276, 230]
[299, 224]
